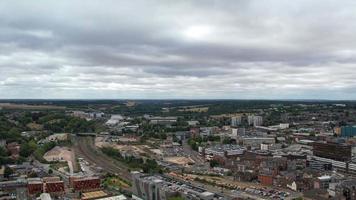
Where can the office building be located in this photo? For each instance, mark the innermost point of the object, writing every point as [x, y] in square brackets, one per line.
[236, 121]
[348, 131]
[332, 150]
[255, 120]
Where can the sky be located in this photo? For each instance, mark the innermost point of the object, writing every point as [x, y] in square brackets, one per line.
[168, 49]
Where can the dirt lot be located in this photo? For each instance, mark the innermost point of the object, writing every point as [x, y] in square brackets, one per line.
[179, 160]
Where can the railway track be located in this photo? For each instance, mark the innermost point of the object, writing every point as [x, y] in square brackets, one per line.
[84, 147]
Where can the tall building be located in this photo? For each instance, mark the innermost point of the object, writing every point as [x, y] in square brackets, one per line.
[332, 150]
[250, 119]
[348, 131]
[236, 120]
[257, 121]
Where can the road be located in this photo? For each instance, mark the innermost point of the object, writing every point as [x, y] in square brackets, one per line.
[84, 147]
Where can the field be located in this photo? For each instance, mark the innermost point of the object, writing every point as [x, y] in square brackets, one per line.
[29, 107]
[197, 109]
[116, 182]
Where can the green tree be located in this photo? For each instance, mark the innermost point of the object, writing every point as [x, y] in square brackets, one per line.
[8, 171]
[27, 148]
[3, 152]
[213, 163]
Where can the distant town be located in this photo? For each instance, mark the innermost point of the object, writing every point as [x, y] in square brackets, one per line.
[177, 149]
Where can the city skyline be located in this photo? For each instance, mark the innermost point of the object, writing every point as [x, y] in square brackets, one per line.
[178, 50]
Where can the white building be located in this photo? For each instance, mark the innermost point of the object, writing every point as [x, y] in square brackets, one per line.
[236, 120]
[114, 120]
[45, 196]
[255, 120]
[250, 119]
[257, 141]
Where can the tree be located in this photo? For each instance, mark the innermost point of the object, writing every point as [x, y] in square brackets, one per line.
[8, 171]
[27, 148]
[3, 152]
[213, 163]
[50, 171]
[227, 141]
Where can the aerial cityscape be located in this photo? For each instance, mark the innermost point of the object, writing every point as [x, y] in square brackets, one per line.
[177, 149]
[178, 99]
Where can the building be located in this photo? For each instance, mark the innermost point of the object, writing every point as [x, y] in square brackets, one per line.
[193, 123]
[96, 115]
[58, 137]
[118, 197]
[194, 132]
[337, 131]
[206, 131]
[250, 120]
[226, 150]
[319, 165]
[346, 189]
[236, 120]
[88, 116]
[114, 120]
[255, 120]
[257, 141]
[348, 131]
[163, 120]
[54, 187]
[332, 150]
[265, 179]
[45, 196]
[34, 186]
[156, 187]
[84, 183]
[322, 182]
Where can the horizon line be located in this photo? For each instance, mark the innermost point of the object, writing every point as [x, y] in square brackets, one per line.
[168, 99]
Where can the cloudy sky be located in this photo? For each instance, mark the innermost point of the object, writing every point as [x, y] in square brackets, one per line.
[241, 49]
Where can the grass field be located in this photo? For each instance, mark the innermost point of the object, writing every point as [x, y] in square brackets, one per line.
[29, 107]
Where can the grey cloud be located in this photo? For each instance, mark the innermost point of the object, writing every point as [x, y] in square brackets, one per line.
[182, 49]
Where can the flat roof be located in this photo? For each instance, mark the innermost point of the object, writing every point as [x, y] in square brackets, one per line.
[94, 195]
